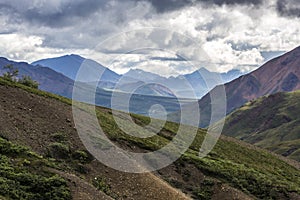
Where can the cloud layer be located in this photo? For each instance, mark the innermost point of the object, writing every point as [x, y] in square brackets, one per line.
[167, 5]
[232, 33]
[289, 8]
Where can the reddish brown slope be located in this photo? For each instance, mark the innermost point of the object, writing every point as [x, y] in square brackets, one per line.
[281, 74]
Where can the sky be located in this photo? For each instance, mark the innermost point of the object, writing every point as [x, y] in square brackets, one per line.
[166, 37]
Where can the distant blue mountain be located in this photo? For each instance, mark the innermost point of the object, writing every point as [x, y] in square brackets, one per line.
[48, 79]
[231, 75]
[193, 85]
[57, 83]
[69, 65]
[142, 75]
[203, 75]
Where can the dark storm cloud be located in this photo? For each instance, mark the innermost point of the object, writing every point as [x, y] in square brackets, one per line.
[170, 5]
[66, 13]
[69, 12]
[177, 58]
[232, 2]
[241, 46]
[290, 8]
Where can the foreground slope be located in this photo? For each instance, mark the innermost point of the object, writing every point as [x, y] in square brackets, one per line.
[26, 175]
[271, 122]
[45, 125]
[232, 170]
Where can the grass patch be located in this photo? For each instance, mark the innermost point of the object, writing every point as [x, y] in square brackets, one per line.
[35, 91]
[58, 150]
[22, 175]
[270, 122]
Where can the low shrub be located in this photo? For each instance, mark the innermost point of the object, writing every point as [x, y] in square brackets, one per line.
[27, 80]
[58, 150]
[82, 156]
[19, 181]
[101, 184]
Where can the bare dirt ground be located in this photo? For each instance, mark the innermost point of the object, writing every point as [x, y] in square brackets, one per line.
[81, 190]
[30, 120]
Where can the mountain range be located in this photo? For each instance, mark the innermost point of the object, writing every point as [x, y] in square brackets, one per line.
[52, 81]
[281, 74]
[192, 85]
[57, 75]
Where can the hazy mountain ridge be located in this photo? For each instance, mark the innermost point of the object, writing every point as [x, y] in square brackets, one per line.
[142, 75]
[69, 65]
[192, 85]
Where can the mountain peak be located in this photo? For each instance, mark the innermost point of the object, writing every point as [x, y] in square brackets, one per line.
[69, 56]
[203, 69]
[142, 75]
[70, 64]
[136, 70]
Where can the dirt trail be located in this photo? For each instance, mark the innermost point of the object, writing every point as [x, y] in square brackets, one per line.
[81, 190]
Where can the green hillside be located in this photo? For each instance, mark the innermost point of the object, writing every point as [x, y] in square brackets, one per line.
[230, 168]
[271, 122]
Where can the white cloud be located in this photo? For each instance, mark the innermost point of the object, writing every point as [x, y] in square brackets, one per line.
[232, 36]
[17, 46]
[151, 60]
